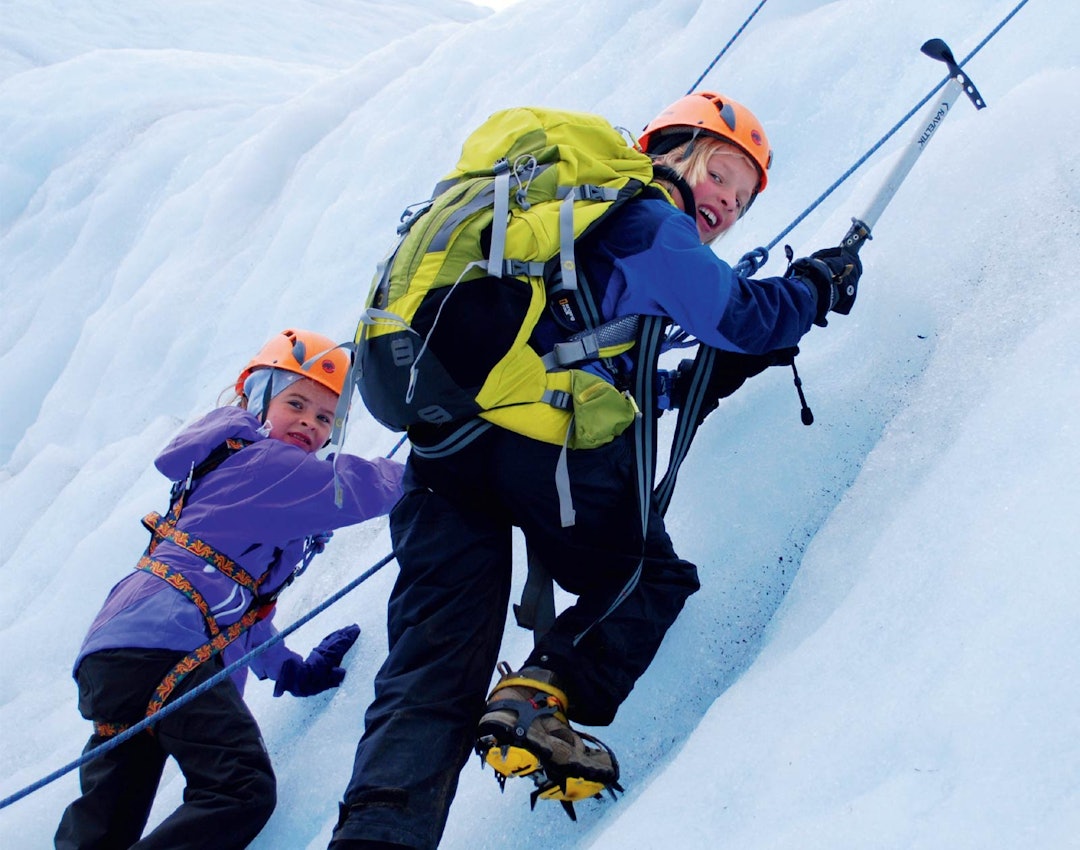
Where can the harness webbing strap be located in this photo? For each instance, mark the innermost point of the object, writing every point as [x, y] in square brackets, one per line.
[184, 666]
[104, 729]
[652, 333]
[178, 580]
[165, 529]
[203, 654]
[536, 611]
[691, 415]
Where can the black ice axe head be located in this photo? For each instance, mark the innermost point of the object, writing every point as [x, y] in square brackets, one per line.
[935, 48]
[958, 82]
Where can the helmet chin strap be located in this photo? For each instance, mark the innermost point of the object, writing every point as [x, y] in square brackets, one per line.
[268, 394]
[670, 175]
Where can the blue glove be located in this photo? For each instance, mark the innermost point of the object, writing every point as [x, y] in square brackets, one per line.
[321, 670]
[317, 542]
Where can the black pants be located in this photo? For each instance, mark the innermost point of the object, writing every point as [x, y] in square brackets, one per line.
[230, 792]
[452, 537]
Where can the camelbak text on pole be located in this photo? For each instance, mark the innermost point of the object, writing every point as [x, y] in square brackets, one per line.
[959, 82]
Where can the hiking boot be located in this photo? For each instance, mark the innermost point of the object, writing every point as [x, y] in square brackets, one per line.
[525, 730]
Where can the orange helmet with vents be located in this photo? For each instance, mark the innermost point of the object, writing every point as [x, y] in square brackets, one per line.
[308, 354]
[715, 115]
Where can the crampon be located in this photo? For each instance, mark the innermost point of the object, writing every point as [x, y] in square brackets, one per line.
[551, 781]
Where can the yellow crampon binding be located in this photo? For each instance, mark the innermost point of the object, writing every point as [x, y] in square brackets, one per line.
[551, 781]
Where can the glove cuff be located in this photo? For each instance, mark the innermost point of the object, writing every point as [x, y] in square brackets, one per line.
[819, 276]
[287, 675]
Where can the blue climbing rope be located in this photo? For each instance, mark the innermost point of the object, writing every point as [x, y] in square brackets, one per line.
[877, 145]
[749, 264]
[724, 50]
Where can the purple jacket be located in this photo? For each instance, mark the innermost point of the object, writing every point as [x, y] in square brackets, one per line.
[265, 498]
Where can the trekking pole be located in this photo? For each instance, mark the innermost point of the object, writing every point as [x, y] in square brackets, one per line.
[958, 82]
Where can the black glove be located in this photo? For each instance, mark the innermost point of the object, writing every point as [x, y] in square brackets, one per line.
[322, 668]
[834, 273]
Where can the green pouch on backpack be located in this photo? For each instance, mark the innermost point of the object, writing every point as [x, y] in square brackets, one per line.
[601, 412]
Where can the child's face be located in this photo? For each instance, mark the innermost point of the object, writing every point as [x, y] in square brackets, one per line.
[302, 415]
[722, 196]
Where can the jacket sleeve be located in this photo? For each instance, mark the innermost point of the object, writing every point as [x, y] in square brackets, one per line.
[267, 664]
[678, 277]
[278, 494]
[195, 442]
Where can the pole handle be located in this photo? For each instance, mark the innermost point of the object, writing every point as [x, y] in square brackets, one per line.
[857, 236]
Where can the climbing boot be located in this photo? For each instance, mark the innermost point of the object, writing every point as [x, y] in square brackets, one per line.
[524, 732]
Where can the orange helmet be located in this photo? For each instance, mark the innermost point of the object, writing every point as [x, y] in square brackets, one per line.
[715, 115]
[305, 353]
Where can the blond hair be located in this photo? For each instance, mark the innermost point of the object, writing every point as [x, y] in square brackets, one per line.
[695, 167]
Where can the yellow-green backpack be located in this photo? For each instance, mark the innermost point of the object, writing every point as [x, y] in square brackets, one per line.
[444, 334]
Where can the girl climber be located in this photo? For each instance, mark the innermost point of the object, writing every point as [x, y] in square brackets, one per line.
[252, 503]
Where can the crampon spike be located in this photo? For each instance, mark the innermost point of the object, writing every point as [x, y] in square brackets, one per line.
[550, 781]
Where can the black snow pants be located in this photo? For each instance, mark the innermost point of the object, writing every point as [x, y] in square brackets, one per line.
[452, 537]
[231, 790]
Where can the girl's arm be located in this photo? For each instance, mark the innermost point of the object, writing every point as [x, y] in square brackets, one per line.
[276, 494]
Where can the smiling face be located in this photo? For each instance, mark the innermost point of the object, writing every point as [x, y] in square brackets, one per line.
[723, 193]
[302, 415]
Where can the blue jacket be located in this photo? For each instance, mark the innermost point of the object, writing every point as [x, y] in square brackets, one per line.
[263, 500]
[648, 259]
[654, 264]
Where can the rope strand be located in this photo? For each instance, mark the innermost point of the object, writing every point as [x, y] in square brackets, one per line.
[731, 41]
[877, 145]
